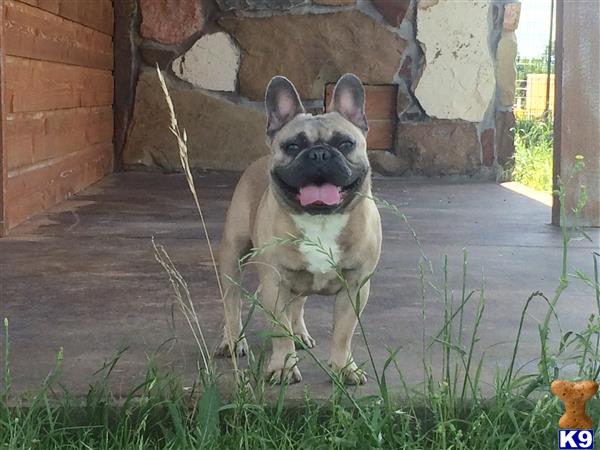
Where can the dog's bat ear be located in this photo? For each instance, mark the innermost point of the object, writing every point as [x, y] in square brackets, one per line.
[282, 103]
[349, 100]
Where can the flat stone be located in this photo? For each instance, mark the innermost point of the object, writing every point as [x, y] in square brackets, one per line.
[458, 80]
[274, 4]
[258, 5]
[321, 47]
[487, 147]
[407, 69]
[403, 100]
[230, 5]
[211, 63]
[221, 134]
[512, 13]
[335, 2]
[439, 147]
[406, 107]
[125, 70]
[496, 16]
[387, 163]
[506, 72]
[505, 137]
[392, 11]
[170, 21]
[153, 55]
[425, 4]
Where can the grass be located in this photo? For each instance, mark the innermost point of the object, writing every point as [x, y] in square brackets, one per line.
[533, 153]
[448, 410]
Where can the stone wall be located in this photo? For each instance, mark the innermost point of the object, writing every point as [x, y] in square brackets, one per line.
[452, 63]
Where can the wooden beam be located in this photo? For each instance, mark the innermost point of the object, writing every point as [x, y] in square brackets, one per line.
[558, 70]
[126, 67]
[381, 134]
[578, 133]
[3, 165]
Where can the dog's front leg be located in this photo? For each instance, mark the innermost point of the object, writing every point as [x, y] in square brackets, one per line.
[347, 310]
[296, 313]
[276, 298]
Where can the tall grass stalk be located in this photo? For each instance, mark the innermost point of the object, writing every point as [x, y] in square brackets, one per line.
[181, 138]
[186, 305]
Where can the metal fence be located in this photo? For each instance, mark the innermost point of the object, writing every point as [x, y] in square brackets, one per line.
[534, 91]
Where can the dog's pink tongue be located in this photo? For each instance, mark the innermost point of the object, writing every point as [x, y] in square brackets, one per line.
[327, 194]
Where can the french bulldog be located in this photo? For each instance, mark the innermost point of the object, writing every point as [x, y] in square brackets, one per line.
[315, 186]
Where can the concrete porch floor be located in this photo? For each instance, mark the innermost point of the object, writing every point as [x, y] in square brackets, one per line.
[83, 277]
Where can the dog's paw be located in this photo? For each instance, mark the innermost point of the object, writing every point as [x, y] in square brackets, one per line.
[351, 374]
[241, 348]
[288, 375]
[306, 338]
[355, 377]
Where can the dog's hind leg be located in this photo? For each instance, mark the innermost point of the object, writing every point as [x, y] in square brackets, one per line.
[296, 309]
[236, 243]
[230, 252]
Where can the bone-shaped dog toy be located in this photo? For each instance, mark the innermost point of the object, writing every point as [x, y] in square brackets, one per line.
[574, 395]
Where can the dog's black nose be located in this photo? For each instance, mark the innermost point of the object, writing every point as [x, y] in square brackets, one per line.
[319, 154]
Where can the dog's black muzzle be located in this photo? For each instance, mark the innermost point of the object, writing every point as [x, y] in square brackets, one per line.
[317, 165]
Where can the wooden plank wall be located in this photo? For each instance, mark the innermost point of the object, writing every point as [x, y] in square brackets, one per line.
[57, 101]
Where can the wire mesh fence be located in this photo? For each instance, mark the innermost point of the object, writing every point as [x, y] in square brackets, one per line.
[534, 91]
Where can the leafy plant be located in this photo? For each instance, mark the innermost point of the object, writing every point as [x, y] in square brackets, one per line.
[533, 153]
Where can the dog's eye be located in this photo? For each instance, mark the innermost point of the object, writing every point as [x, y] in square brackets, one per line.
[346, 145]
[293, 148]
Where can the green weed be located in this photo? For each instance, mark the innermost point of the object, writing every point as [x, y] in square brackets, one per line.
[533, 153]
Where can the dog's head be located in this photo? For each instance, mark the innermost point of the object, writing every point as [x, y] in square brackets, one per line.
[319, 163]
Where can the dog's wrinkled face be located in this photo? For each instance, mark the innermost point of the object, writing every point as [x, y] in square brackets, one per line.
[320, 162]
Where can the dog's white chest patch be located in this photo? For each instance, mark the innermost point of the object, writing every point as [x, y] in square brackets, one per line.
[324, 231]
